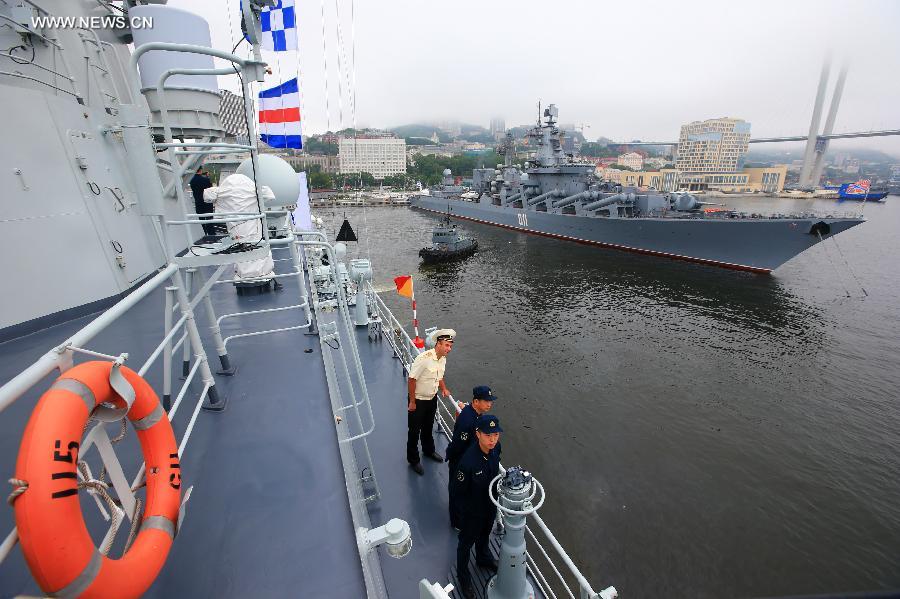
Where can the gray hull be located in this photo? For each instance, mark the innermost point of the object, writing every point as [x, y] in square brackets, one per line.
[754, 244]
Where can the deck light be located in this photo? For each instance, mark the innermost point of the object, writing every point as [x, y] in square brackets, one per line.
[396, 534]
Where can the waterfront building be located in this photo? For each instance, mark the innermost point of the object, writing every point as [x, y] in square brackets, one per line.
[631, 160]
[769, 179]
[303, 162]
[661, 180]
[749, 180]
[432, 150]
[713, 146]
[382, 156]
[711, 153]
[656, 162]
[733, 181]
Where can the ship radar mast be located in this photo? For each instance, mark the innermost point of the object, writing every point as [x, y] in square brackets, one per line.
[551, 113]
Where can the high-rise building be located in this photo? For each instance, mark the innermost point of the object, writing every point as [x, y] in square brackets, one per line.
[713, 146]
[382, 156]
[498, 128]
[711, 154]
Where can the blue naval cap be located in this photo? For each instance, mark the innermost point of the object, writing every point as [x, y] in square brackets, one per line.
[483, 392]
[488, 423]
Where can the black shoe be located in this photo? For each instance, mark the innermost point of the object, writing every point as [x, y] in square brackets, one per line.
[417, 468]
[468, 591]
[436, 457]
[490, 565]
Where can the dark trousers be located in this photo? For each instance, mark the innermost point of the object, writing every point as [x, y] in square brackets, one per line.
[420, 424]
[454, 503]
[476, 530]
[202, 207]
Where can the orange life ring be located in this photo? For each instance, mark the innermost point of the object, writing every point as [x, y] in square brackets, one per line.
[56, 543]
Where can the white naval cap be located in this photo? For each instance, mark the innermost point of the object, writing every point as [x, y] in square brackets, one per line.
[442, 333]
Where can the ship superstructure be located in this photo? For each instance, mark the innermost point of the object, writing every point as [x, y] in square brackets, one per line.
[556, 196]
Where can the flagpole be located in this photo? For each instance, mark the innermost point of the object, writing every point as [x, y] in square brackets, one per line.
[418, 342]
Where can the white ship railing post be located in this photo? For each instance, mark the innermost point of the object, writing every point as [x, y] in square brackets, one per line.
[186, 348]
[167, 350]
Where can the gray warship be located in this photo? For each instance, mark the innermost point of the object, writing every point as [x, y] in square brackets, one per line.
[285, 471]
[556, 196]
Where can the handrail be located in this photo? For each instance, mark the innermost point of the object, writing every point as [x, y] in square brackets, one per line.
[350, 333]
[60, 357]
[53, 359]
[584, 586]
[190, 48]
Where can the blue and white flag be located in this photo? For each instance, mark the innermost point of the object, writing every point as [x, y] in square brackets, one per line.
[279, 27]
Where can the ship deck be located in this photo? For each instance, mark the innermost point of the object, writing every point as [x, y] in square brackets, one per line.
[269, 513]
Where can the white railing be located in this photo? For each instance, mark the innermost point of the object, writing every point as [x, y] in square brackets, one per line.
[62, 357]
[406, 351]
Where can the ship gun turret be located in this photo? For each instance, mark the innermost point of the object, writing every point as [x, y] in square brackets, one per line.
[686, 202]
[555, 193]
[619, 197]
[584, 195]
[512, 198]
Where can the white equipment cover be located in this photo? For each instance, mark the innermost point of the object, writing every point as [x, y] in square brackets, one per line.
[237, 193]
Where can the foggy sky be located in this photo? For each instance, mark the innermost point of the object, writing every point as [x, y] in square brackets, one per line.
[626, 70]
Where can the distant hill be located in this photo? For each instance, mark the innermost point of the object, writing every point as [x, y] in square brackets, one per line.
[420, 131]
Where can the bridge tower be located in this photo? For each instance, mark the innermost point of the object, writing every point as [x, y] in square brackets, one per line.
[814, 155]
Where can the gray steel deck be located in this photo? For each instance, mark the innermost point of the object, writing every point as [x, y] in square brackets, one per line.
[269, 513]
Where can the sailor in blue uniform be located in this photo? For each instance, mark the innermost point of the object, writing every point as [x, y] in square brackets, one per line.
[463, 437]
[474, 473]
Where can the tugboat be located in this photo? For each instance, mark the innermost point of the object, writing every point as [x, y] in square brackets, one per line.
[447, 244]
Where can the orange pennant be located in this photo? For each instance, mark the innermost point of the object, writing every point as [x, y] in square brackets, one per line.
[404, 285]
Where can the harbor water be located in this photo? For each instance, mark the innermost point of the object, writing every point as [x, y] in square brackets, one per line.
[700, 432]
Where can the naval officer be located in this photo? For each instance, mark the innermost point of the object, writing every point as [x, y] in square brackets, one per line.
[464, 436]
[426, 377]
[477, 468]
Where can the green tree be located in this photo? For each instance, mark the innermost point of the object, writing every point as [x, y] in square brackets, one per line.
[353, 180]
[400, 181]
[320, 180]
[429, 169]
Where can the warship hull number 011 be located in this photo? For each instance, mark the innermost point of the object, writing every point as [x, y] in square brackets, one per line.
[557, 197]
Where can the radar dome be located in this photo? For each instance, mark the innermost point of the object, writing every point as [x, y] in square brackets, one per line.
[276, 174]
